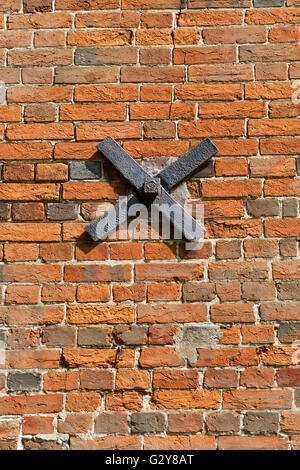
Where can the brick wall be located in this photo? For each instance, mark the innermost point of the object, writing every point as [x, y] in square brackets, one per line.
[143, 344]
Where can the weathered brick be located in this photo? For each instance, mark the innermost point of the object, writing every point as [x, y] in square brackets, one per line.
[38, 425]
[96, 379]
[23, 382]
[57, 336]
[148, 422]
[77, 314]
[170, 313]
[183, 379]
[257, 378]
[257, 399]
[221, 379]
[132, 380]
[28, 211]
[258, 334]
[223, 422]
[185, 422]
[94, 336]
[20, 404]
[75, 423]
[82, 401]
[60, 380]
[288, 248]
[112, 422]
[261, 423]
[289, 333]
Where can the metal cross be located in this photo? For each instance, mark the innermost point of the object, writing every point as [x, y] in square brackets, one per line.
[151, 189]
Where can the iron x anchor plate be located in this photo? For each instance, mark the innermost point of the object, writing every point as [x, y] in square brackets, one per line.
[153, 190]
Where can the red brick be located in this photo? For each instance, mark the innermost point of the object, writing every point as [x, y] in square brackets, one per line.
[169, 291]
[258, 334]
[56, 251]
[49, 38]
[227, 357]
[23, 338]
[58, 293]
[25, 151]
[186, 399]
[171, 313]
[20, 252]
[37, 75]
[39, 94]
[152, 74]
[183, 379]
[82, 401]
[107, 443]
[253, 443]
[126, 251]
[119, 401]
[93, 293]
[15, 405]
[185, 422]
[30, 211]
[132, 380]
[272, 16]
[55, 131]
[237, 270]
[158, 357]
[162, 334]
[60, 380]
[210, 17]
[238, 35]
[40, 113]
[75, 423]
[112, 19]
[168, 272]
[40, 57]
[257, 378]
[135, 292]
[22, 294]
[37, 425]
[221, 379]
[257, 399]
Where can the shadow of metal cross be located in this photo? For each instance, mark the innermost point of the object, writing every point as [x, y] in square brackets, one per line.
[153, 190]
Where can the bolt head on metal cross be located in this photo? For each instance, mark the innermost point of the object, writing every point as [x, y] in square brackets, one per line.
[151, 186]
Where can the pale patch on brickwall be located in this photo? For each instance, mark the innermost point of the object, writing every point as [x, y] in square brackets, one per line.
[190, 338]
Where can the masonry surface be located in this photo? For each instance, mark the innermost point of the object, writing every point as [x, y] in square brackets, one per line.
[142, 344]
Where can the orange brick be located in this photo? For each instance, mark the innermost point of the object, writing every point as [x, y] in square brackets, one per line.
[258, 334]
[126, 251]
[51, 172]
[60, 380]
[20, 252]
[22, 294]
[170, 313]
[93, 293]
[163, 292]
